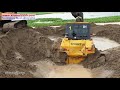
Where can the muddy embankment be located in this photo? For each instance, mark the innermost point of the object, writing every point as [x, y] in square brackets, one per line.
[18, 47]
[111, 63]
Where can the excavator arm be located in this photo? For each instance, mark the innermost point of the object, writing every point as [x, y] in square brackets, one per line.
[78, 16]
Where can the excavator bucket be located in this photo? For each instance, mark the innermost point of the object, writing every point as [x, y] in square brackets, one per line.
[14, 24]
[5, 25]
[78, 16]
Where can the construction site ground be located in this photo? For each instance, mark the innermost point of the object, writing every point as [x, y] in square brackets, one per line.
[30, 53]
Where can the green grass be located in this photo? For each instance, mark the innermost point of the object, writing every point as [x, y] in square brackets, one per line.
[104, 19]
[58, 21]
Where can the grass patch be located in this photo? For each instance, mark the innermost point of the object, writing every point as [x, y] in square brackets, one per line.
[58, 21]
[55, 22]
[104, 19]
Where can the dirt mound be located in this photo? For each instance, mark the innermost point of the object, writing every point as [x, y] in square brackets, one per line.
[112, 56]
[91, 61]
[18, 47]
[113, 61]
[30, 44]
[111, 34]
[45, 30]
[109, 61]
[51, 31]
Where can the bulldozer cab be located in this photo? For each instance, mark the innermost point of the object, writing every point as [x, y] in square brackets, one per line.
[78, 31]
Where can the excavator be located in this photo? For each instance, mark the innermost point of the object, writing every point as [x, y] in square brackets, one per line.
[5, 25]
[77, 43]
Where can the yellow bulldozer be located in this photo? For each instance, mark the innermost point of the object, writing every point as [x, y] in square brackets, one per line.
[77, 43]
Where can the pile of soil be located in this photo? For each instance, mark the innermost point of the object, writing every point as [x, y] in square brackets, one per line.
[51, 31]
[111, 61]
[112, 56]
[18, 47]
[112, 33]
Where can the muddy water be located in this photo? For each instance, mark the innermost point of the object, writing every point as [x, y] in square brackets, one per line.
[50, 70]
[47, 69]
[43, 68]
[104, 43]
[70, 71]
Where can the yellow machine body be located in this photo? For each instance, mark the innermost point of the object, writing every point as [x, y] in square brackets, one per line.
[77, 50]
